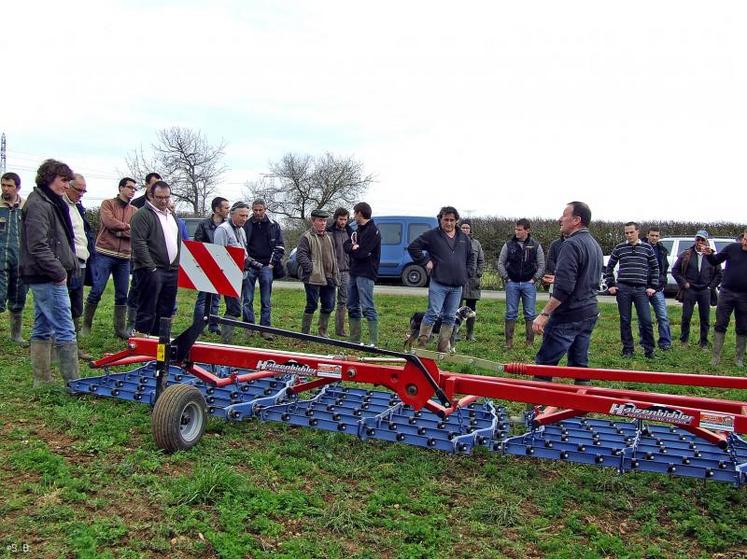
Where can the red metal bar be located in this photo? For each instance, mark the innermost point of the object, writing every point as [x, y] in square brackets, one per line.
[443, 412]
[553, 415]
[304, 386]
[726, 406]
[652, 377]
[107, 360]
[719, 439]
[233, 378]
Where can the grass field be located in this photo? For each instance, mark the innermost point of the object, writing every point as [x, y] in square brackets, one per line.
[81, 477]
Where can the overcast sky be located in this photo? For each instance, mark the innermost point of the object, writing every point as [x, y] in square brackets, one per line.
[498, 108]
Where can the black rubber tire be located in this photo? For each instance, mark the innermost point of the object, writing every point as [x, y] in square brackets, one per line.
[414, 276]
[179, 418]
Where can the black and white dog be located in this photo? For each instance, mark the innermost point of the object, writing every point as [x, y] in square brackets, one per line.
[462, 314]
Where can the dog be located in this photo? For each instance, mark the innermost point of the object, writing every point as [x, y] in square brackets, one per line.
[462, 314]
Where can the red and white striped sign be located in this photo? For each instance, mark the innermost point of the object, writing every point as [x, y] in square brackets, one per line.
[211, 268]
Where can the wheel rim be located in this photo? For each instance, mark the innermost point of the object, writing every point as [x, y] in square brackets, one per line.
[191, 421]
[413, 276]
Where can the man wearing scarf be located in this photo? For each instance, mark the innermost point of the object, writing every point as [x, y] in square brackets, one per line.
[48, 264]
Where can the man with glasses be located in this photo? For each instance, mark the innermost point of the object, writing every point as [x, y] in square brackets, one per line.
[76, 188]
[637, 281]
[155, 259]
[450, 262]
[12, 289]
[113, 251]
[48, 263]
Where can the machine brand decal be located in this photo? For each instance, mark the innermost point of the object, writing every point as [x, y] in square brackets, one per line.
[717, 421]
[654, 412]
[288, 368]
[329, 370]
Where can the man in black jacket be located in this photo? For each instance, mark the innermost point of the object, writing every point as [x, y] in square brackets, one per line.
[265, 247]
[696, 276]
[657, 300]
[450, 263]
[204, 234]
[364, 248]
[732, 297]
[47, 265]
[155, 259]
[569, 317]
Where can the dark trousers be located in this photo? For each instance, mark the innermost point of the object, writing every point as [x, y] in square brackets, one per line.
[12, 289]
[627, 296]
[703, 298]
[157, 297]
[471, 303]
[315, 293]
[728, 302]
[571, 338]
[76, 301]
[200, 304]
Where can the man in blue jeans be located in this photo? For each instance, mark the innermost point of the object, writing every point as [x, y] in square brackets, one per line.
[450, 262]
[569, 316]
[657, 300]
[48, 263]
[521, 263]
[364, 248]
[637, 280]
[265, 247]
[113, 251]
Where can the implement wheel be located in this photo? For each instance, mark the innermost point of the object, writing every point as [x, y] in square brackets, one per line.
[179, 418]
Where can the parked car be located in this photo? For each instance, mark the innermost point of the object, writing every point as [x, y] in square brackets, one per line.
[675, 246]
[192, 223]
[397, 232]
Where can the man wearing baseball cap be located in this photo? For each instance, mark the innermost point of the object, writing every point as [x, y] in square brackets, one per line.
[696, 276]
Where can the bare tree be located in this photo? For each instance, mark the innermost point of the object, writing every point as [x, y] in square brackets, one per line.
[187, 161]
[298, 184]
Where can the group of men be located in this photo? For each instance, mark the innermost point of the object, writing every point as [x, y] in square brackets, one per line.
[47, 245]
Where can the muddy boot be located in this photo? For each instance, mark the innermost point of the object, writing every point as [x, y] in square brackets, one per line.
[41, 353]
[88, 313]
[340, 322]
[510, 326]
[355, 330]
[424, 334]
[120, 330]
[131, 317]
[739, 357]
[67, 353]
[470, 329]
[16, 324]
[530, 333]
[81, 354]
[226, 333]
[323, 324]
[373, 332]
[718, 343]
[444, 338]
[306, 322]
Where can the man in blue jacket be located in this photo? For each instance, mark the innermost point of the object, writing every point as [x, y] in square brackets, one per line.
[450, 263]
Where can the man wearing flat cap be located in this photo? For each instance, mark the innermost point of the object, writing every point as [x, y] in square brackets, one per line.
[696, 276]
[317, 268]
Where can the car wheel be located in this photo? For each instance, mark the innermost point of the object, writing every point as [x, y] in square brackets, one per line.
[414, 276]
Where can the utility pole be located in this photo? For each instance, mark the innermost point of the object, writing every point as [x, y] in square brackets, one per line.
[3, 159]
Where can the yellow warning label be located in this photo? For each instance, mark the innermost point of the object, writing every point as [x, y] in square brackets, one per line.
[161, 352]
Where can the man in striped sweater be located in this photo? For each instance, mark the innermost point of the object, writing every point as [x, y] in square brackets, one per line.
[637, 280]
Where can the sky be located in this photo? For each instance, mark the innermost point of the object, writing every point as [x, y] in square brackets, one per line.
[497, 108]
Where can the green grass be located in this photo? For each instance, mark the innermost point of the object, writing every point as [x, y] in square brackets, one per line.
[81, 477]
